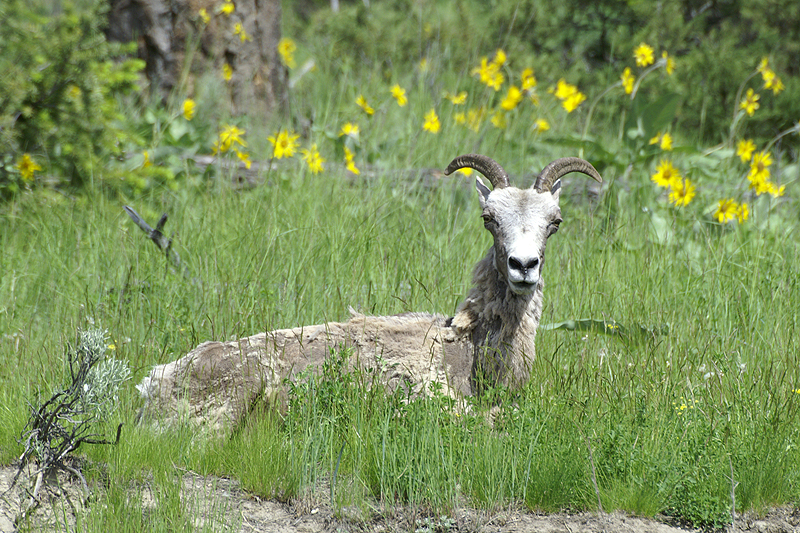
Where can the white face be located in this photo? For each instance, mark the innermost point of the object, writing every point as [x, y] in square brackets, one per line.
[520, 221]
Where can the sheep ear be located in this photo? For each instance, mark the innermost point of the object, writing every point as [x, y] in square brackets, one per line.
[556, 190]
[483, 191]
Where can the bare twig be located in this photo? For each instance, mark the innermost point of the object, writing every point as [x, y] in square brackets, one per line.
[157, 236]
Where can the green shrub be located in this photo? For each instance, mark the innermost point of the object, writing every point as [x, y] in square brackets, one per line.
[58, 95]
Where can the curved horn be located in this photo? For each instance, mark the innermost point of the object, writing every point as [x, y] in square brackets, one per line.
[485, 165]
[561, 167]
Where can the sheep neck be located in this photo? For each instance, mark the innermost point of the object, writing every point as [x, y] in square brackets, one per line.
[501, 326]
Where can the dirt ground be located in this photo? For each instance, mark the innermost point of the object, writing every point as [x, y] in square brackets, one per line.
[220, 504]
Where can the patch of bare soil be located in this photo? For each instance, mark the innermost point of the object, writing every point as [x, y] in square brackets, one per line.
[220, 504]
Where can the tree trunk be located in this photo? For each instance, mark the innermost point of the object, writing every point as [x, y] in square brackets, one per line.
[168, 31]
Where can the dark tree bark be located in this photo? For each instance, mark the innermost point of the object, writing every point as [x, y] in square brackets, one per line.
[165, 29]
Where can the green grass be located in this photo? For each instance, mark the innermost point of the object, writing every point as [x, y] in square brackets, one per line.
[302, 251]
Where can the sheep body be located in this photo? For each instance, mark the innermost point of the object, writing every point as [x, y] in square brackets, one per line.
[490, 340]
[215, 384]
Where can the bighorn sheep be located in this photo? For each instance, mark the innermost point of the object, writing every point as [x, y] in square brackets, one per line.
[489, 340]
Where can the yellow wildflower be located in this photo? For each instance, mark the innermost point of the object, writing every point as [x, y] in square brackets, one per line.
[349, 129]
[627, 80]
[475, 118]
[147, 162]
[499, 120]
[745, 149]
[362, 103]
[238, 29]
[348, 157]
[763, 64]
[571, 103]
[564, 90]
[664, 140]
[227, 72]
[772, 81]
[742, 213]
[489, 73]
[500, 57]
[244, 157]
[759, 171]
[286, 49]
[313, 159]
[727, 210]
[643, 55]
[527, 80]
[228, 136]
[189, 108]
[284, 144]
[569, 95]
[681, 192]
[750, 102]
[204, 16]
[512, 99]
[541, 125]
[666, 174]
[669, 63]
[456, 99]
[774, 190]
[460, 118]
[399, 94]
[466, 171]
[27, 166]
[227, 8]
[432, 123]
[424, 65]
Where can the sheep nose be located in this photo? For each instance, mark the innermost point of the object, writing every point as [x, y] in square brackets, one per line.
[522, 265]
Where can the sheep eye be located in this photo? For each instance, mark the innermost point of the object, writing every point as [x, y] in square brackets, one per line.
[487, 218]
[553, 227]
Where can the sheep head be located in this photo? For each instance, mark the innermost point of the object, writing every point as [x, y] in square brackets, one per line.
[521, 220]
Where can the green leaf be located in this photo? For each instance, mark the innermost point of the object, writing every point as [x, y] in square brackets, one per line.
[606, 327]
[650, 119]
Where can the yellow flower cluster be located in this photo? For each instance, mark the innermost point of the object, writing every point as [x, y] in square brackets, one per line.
[189, 108]
[569, 95]
[399, 94]
[27, 167]
[456, 99]
[684, 404]
[750, 102]
[362, 103]
[286, 49]
[230, 140]
[489, 72]
[432, 123]
[350, 130]
[348, 158]
[681, 190]
[313, 159]
[729, 209]
[663, 140]
[284, 144]
[643, 54]
[472, 119]
[627, 80]
[771, 80]
[759, 175]
[238, 29]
